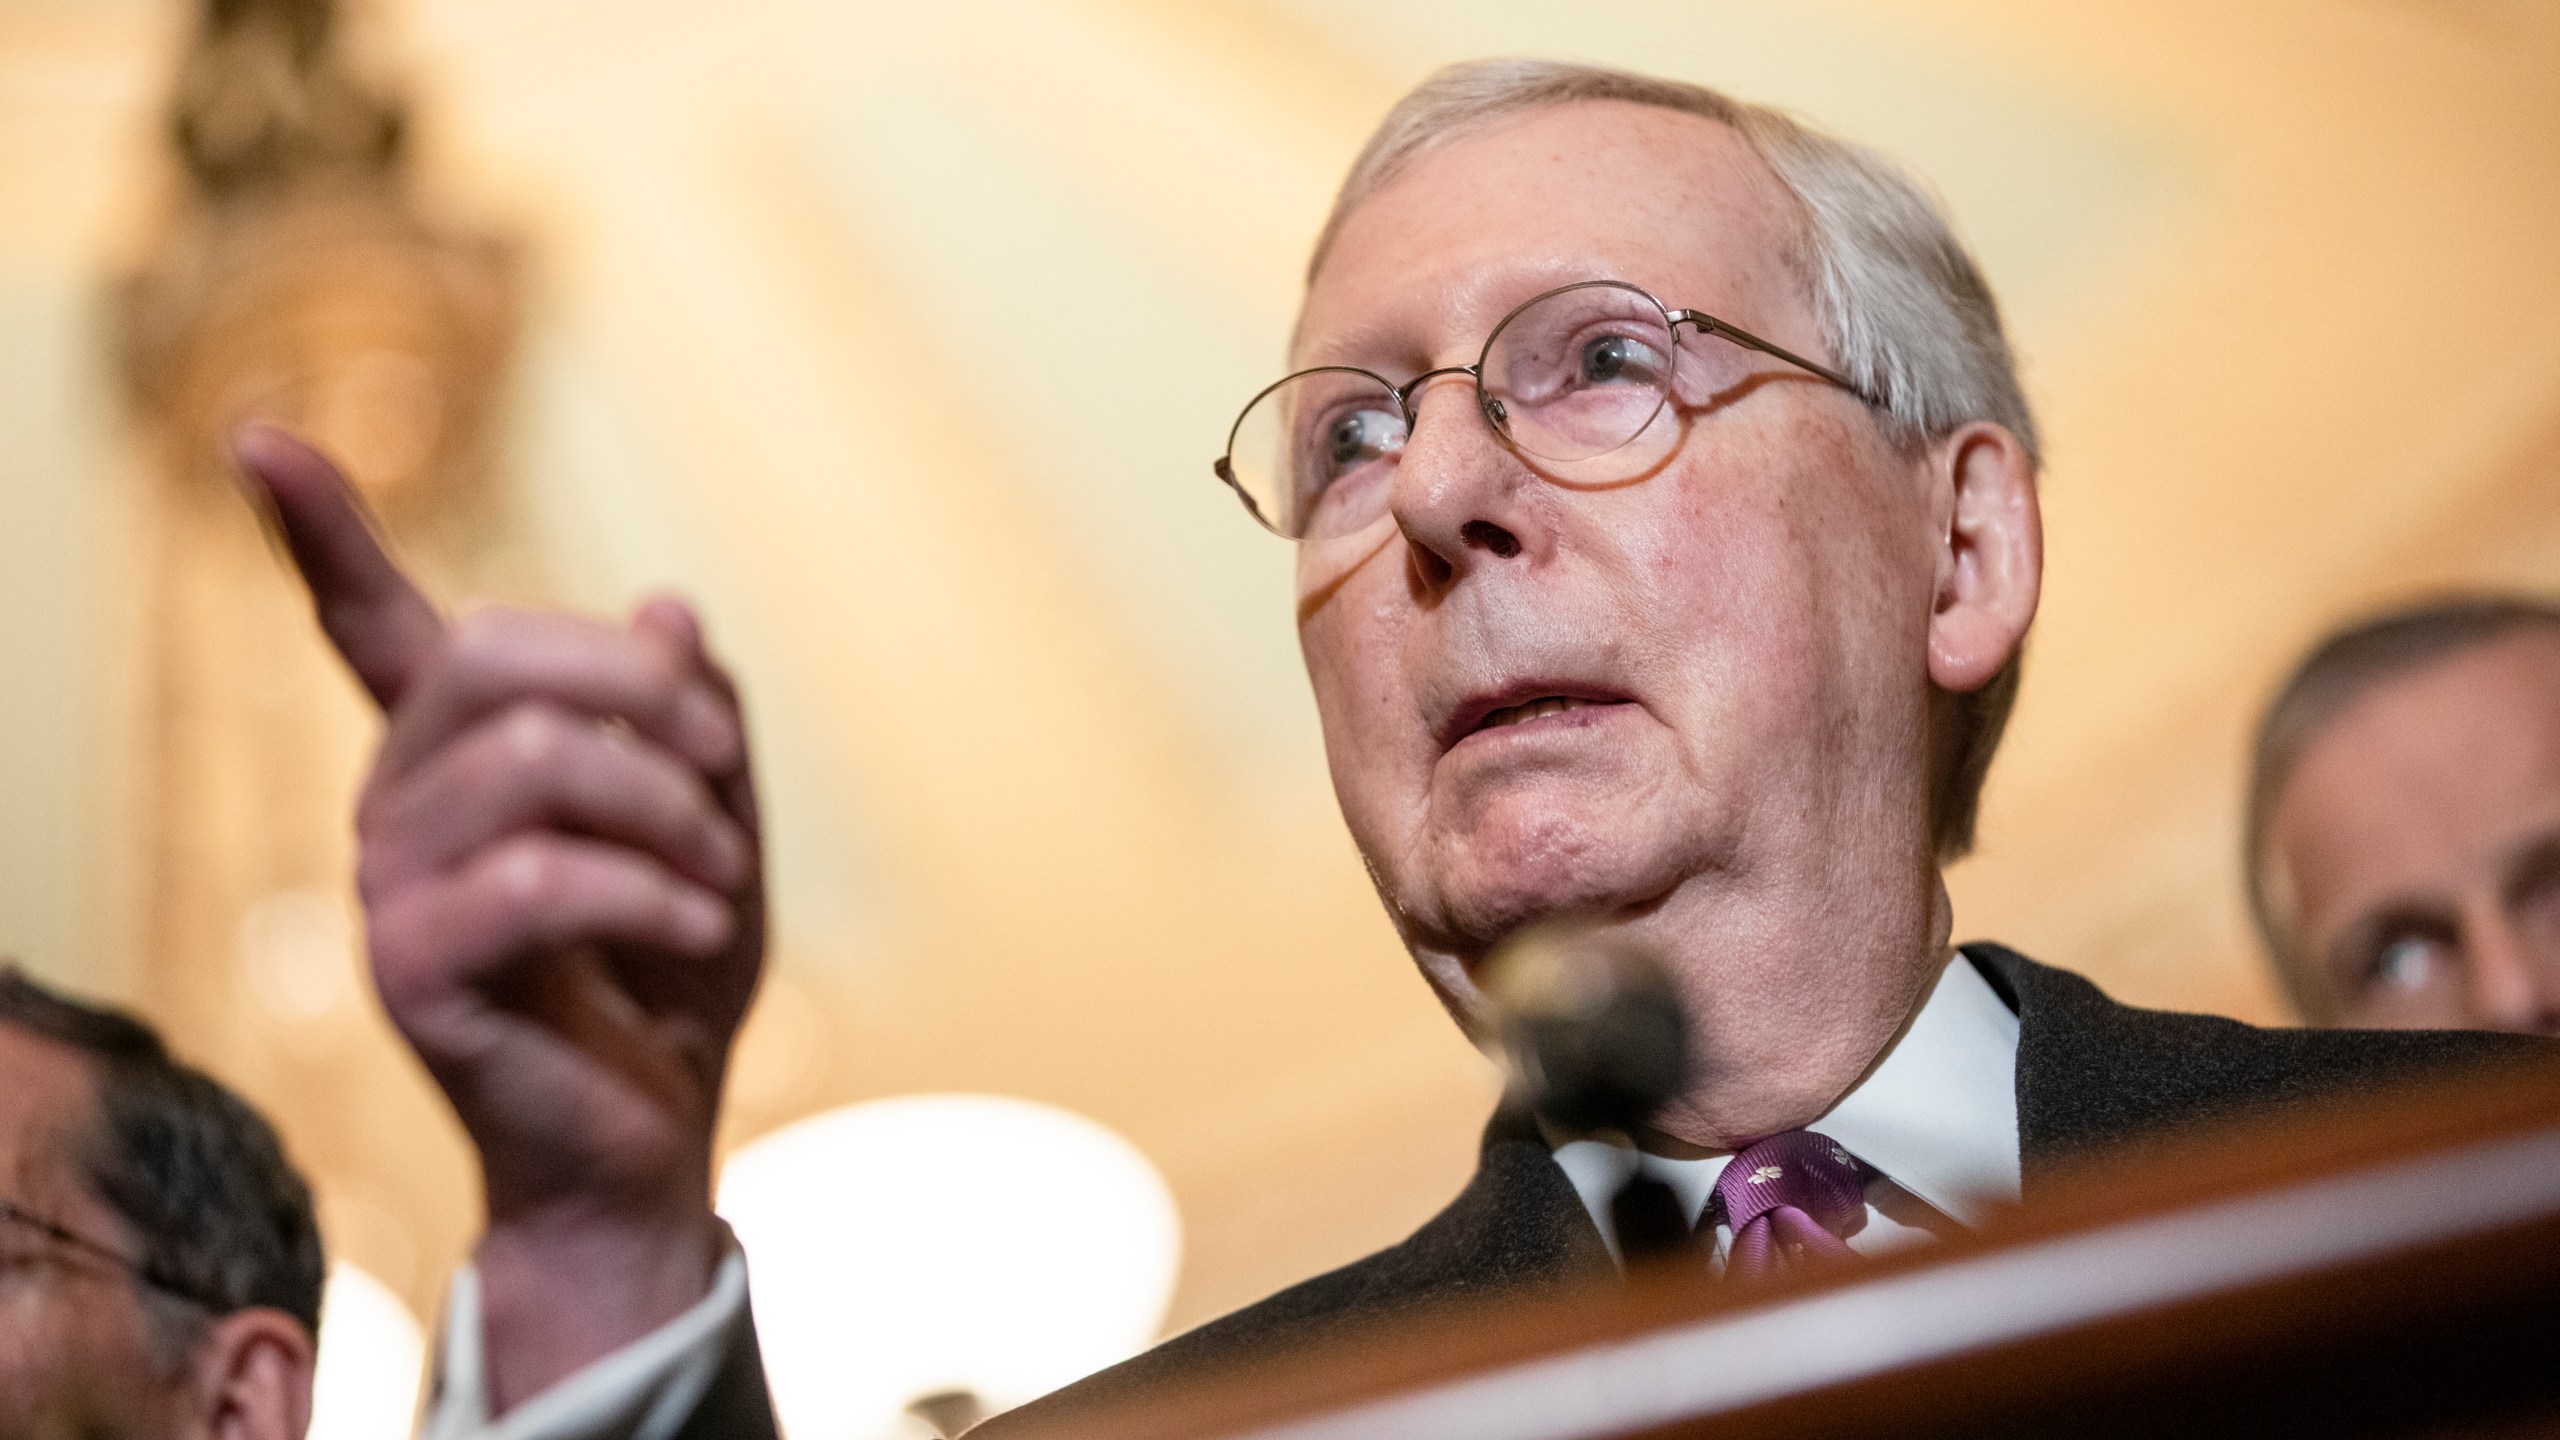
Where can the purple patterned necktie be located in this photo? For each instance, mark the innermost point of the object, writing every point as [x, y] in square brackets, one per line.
[1790, 1198]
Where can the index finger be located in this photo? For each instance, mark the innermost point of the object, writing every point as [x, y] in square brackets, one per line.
[370, 611]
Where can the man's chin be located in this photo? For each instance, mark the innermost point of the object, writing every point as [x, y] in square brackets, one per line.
[1479, 871]
[1486, 904]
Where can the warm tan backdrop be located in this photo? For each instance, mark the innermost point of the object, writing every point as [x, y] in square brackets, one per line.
[901, 336]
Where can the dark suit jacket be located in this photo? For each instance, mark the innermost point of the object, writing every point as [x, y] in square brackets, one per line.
[2092, 1074]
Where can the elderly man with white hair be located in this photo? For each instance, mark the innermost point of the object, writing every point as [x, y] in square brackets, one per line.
[1666, 524]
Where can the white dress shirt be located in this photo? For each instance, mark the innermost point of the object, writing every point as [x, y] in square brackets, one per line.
[1937, 1118]
[643, 1391]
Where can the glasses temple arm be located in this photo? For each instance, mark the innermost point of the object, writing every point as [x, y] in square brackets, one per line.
[143, 1270]
[1710, 325]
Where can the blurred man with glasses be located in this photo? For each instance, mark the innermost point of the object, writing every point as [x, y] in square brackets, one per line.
[2404, 820]
[160, 1271]
[1664, 507]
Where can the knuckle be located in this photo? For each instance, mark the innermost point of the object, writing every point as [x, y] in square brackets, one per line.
[492, 646]
[674, 796]
[536, 736]
[527, 870]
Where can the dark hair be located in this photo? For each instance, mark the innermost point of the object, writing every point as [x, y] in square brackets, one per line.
[220, 1215]
[2339, 671]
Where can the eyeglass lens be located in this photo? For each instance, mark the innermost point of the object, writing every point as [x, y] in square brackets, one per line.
[1313, 453]
[1581, 372]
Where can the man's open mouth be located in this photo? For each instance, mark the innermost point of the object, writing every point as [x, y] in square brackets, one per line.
[1543, 706]
[1503, 712]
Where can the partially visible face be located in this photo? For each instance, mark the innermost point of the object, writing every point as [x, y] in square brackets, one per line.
[2416, 849]
[1546, 697]
[75, 1355]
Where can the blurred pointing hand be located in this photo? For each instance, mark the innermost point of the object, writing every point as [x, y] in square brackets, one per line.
[564, 901]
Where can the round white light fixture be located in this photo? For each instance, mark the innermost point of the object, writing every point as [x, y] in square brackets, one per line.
[373, 1356]
[939, 1243]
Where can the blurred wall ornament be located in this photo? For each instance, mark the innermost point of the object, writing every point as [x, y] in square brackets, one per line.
[295, 279]
[300, 282]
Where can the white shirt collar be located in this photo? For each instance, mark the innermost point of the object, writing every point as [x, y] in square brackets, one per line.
[1938, 1115]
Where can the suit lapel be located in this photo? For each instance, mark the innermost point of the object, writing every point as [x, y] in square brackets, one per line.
[2094, 1074]
[1517, 1225]
[2086, 1067]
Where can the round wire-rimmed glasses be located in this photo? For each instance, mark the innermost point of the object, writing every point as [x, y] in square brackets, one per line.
[1569, 376]
[71, 1239]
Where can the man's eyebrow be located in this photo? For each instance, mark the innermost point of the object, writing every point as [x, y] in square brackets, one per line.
[2535, 868]
[1362, 341]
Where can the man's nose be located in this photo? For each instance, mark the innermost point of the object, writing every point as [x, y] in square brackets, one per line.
[1460, 495]
[2512, 986]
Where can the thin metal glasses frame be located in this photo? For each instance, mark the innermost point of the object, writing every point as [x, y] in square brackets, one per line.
[140, 1270]
[1489, 405]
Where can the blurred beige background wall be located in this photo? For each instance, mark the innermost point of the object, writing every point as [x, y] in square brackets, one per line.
[901, 336]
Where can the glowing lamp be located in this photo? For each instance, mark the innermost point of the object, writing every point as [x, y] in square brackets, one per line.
[944, 1246]
[373, 1355]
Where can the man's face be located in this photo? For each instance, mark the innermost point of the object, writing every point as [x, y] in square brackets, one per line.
[1739, 636]
[2416, 848]
[75, 1354]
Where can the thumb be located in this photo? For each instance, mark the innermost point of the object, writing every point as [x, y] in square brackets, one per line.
[377, 619]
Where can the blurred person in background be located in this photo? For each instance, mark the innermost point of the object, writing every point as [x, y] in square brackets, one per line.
[2404, 821]
[1666, 527]
[160, 1268]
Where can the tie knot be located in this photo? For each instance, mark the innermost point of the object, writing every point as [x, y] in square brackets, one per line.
[1795, 1168]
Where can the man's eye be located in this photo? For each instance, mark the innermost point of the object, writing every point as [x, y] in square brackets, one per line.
[2408, 963]
[1360, 436]
[1621, 359]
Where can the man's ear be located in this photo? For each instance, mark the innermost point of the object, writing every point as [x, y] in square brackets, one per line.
[1989, 532]
[251, 1378]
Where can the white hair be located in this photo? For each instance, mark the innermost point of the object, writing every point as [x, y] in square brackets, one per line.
[1901, 306]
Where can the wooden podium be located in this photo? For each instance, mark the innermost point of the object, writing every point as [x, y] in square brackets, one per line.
[2386, 1270]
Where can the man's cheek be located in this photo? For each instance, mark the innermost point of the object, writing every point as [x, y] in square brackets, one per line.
[1379, 786]
[33, 1385]
[1359, 685]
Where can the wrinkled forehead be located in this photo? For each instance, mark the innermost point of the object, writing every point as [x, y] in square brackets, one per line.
[1420, 270]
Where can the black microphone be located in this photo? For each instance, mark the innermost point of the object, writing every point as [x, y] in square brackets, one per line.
[1593, 1037]
[1590, 1030]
